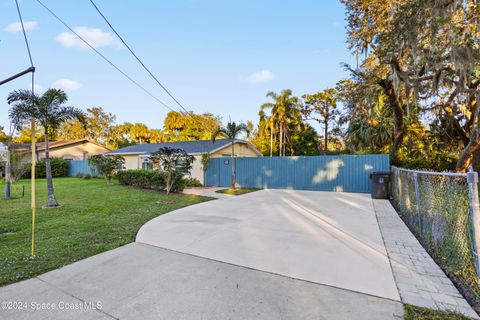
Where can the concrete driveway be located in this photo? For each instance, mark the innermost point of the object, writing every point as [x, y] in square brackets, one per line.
[272, 254]
[322, 237]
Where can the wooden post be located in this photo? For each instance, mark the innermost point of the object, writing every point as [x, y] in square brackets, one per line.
[472, 178]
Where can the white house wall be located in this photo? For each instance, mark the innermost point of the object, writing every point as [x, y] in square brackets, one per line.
[197, 169]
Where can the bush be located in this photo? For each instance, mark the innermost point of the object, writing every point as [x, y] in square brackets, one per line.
[149, 179]
[106, 165]
[192, 182]
[79, 175]
[59, 168]
[87, 176]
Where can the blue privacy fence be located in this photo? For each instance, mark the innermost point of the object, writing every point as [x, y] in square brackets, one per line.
[80, 166]
[349, 173]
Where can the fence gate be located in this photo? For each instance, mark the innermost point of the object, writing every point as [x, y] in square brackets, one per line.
[349, 173]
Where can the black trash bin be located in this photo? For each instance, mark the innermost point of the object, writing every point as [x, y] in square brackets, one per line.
[380, 184]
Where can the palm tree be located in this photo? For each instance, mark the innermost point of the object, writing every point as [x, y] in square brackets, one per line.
[231, 131]
[283, 108]
[50, 112]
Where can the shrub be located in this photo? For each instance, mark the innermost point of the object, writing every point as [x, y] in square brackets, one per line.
[149, 179]
[79, 175]
[192, 182]
[59, 168]
[106, 165]
[173, 163]
[87, 176]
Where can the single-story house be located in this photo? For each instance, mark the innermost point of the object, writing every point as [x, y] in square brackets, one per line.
[137, 156]
[65, 149]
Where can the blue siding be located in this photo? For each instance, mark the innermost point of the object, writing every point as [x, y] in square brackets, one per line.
[80, 166]
[349, 173]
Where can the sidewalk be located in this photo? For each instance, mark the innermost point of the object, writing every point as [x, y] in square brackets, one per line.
[419, 279]
[207, 192]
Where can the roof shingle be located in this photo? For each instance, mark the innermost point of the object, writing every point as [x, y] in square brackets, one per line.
[191, 147]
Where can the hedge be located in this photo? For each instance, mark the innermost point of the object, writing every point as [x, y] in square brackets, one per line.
[59, 168]
[150, 179]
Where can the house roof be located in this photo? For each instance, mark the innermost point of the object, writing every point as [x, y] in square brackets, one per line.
[191, 147]
[40, 146]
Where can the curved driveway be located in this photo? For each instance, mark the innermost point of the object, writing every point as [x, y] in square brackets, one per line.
[322, 237]
[232, 258]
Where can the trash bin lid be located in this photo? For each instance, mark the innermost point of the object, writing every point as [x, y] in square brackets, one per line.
[380, 173]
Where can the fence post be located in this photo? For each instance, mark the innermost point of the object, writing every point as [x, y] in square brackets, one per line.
[472, 177]
[417, 196]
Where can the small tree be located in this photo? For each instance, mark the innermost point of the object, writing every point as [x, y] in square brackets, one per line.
[106, 165]
[205, 165]
[173, 162]
[322, 107]
[50, 112]
[231, 131]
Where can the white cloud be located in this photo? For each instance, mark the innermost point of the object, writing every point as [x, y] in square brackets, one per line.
[96, 37]
[260, 76]
[17, 26]
[67, 84]
[38, 88]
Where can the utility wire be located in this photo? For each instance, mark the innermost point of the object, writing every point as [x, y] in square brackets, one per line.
[24, 33]
[136, 57]
[104, 58]
[187, 113]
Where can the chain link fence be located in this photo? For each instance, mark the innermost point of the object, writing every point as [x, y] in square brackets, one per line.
[441, 208]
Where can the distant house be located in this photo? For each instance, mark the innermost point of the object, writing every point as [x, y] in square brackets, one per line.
[65, 149]
[137, 156]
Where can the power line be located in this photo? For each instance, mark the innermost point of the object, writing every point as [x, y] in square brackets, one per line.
[136, 57]
[187, 113]
[24, 33]
[103, 57]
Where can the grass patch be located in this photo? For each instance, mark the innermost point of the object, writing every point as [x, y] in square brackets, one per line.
[94, 217]
[417, 313]
[237, 191]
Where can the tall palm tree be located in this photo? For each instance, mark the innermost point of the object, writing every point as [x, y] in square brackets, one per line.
[50, 112]
[283, 108]
[231, 131]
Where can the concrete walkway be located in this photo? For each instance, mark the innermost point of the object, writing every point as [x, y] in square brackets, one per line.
[207, 192]
[321, 237]
[419, 279]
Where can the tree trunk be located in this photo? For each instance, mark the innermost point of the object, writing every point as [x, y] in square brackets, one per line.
[473, 145]
[476, 160]
[234, 178]
[168, 185]
[280, 143]
[325, 146]
[271, 139]
[51, 200]
[398, 129]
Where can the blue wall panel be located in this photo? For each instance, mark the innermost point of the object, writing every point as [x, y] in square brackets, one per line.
[80, 166]
[349, 173]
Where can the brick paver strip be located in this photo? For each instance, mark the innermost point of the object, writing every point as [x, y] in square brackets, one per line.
[420, 281]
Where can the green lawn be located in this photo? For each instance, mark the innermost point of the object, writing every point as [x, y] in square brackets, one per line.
[417, 313]
[94, 217]
[237, 191]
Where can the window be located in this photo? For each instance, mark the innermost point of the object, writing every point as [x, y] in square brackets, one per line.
[120, 166]
[147, 164]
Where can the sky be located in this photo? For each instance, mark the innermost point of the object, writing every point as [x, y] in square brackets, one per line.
[219, 56]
